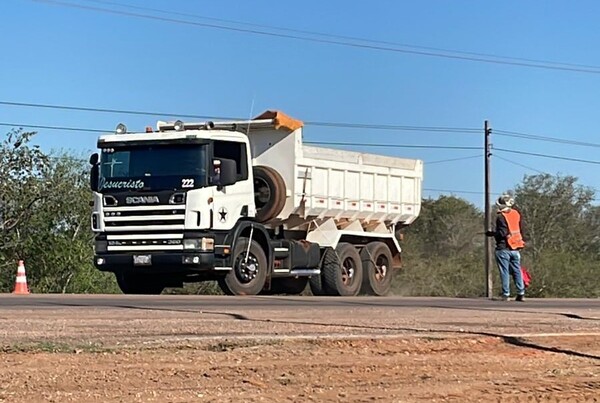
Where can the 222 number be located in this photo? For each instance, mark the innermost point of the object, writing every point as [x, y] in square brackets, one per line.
[187, 183]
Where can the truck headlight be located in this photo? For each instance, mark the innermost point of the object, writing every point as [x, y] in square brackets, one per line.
[191, 244]
[205, 244]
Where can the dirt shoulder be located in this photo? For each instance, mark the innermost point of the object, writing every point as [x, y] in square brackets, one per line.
[261, 352]
[386, 370]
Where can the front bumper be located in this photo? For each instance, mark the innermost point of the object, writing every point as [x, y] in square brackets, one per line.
[160, 262]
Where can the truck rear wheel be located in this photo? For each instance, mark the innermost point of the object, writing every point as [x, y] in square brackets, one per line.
[328, 258]
[269, 193]
[133, 283]
[344, 278]
[377, 267]
[249, 271]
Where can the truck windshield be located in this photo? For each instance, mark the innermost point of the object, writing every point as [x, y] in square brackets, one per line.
[154, 167]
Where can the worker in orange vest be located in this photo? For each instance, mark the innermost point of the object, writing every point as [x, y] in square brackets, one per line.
[509, 241]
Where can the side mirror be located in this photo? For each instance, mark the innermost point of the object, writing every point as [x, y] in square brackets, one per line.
[94, 177]
[227, 174]
[94, 172]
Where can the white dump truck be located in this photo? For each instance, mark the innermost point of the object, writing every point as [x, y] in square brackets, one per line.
[247, 204]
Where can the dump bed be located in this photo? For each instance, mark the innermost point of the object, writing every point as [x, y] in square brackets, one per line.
[330, 183]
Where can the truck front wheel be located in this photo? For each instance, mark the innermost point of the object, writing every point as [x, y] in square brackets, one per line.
[132, 283]
[249, 271]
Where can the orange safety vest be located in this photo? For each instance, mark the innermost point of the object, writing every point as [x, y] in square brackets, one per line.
[514, 238]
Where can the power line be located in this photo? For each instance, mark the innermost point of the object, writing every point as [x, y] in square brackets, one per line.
[453, 159]
[547, 66]
[443, 147]
[453, 191]
[75, 129]
[107, 110]
[474, 192]
[519, 164]
[557, 157]
[328, 35]
[532, 169]
[346, 125]
[394, 127]
[332, 143]
[426, 146]
[535, 137]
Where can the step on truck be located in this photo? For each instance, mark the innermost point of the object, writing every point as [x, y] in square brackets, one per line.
[247, 204]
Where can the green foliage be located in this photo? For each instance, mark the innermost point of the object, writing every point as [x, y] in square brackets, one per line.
[559, 274]
[443, 251]
[554, 209]
[45, 220]
[444, 255]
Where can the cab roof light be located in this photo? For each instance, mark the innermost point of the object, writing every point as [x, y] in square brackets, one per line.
[121, 129]
[179, 126]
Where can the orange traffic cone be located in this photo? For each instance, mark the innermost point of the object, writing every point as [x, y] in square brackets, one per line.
[21, 283]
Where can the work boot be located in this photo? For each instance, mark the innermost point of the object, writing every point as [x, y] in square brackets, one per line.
[505, 298]
[520, 298]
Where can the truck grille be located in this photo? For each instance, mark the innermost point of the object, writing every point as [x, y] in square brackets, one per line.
[144, 228]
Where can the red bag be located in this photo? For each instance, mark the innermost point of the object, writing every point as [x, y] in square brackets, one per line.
[526, 276]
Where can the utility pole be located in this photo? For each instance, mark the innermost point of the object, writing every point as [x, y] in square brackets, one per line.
[488, 213]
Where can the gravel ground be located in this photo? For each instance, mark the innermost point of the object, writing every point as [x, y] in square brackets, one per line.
[322, 354]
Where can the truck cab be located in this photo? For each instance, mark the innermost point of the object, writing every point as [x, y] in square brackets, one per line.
[164, 200]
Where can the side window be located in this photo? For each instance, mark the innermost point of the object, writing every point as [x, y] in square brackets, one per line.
[233, 151]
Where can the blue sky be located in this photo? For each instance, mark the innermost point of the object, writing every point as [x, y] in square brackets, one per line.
[53, 54]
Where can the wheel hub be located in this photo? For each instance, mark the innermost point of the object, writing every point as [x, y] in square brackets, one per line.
[247, 269]
[381, 268]
[347, 271]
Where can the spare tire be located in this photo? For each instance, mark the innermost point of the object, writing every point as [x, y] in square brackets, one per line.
[269, 193]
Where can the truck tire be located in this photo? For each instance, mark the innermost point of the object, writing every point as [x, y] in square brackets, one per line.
[345, 278]
[133, 283]
[377, 267]
[269, 193]
[289, 285]
[328, 258]
[247, 277]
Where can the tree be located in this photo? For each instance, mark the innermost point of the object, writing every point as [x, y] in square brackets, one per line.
[443, 251]
[562, 236]
[448, 226]
[45, 215]
[554, 210]
[21, 191]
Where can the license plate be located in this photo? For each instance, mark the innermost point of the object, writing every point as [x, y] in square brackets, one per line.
[142, 260]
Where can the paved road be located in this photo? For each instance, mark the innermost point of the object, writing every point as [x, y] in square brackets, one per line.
[111, 319]
[285, 303]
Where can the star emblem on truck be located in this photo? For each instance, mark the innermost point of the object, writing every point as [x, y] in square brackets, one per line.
[222, 214]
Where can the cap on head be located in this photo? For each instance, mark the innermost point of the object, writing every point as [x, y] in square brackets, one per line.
[505, 202]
